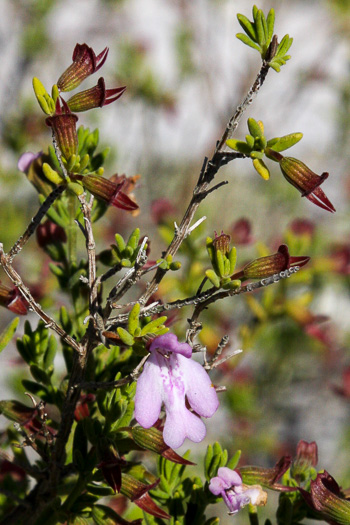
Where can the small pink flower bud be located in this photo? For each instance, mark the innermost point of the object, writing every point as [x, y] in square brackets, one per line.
[95, 97]
[85, 63]
[63, 124]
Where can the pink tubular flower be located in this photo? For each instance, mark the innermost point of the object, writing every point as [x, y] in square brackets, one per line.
[170, 376]
[95, 97]
[85, 63]
[228, 484]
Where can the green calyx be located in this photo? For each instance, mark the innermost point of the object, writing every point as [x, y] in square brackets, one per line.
[223, 264]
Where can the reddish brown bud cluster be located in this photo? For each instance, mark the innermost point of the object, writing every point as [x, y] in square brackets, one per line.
[222, 243]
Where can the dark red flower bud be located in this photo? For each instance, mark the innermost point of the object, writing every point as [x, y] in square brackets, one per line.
[222, 243]
[85, 63]
[12, 299]
[302, 178]
[108, 191]
[63, 124]
[241, 232]
[161, 209]
[110, 465]
[306, 458]
[270, 265]
[302, 227]
[96, 97]
[137, 492]
[267, 477]
[152, 439]
[82, 407]
[50, 233]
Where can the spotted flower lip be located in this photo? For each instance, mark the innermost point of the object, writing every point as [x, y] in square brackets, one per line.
[271, 264]
[85, 63]
[95, 97]
[236, 495]
[171, 377]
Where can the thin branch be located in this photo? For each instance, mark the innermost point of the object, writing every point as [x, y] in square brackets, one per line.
[22, 241]
[33, 305]
[203, 299]
[208, 171]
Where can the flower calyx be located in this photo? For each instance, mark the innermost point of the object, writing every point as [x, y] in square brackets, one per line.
[85, 63]
[95, 97]
[264, 267]
[223, 260]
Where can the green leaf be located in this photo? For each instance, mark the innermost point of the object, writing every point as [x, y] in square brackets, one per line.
[133, 321]
[285, 142]
[261, 168]
[247, 26]
[213, 278]
[260, 28]
[254, 128]
[234, 460]
[120, 243]
[232, 257]
[7, 334]
[133, 240]
[270, 25]
[152, 327]
[220, 263]
[248, 41]
[239, 145]
[125, 336]
[284, 46]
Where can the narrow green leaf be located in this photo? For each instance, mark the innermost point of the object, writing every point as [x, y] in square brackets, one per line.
[133, 321]
[261, 168]
[283, 46]
[285, 142]
[220, 263]
[239, 145]
[213, 278]
[232, 257]
[125, 336]
[120, 243]
[7, 334]
[254, 128]
[134, 239]
[248, 41]
[150, 328]
[270, 25]
[234, 460]
[260, 28]
[247, 26]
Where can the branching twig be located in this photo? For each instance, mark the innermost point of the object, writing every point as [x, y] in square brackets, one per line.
[203, 299]
[33, 305]
[207, 174]
[22, 241]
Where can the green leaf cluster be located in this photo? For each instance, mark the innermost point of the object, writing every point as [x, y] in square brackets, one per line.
[256, 146]
[123, 254]
[138, 328]
[258, 34]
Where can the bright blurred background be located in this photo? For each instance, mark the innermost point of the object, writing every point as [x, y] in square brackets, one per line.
[185, 74]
